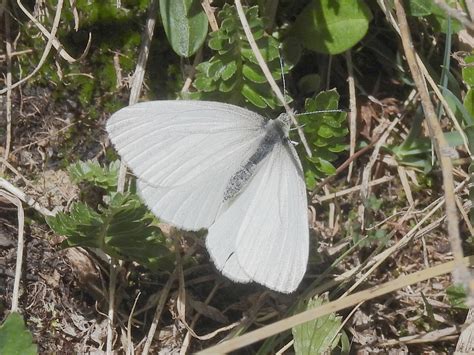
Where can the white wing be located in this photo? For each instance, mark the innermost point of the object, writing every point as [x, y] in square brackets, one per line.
[263, 234]
[184, 153]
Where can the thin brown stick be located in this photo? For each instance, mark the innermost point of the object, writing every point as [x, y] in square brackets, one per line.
[352, 112]
[16, 54]
[113, 270]
[137, 82]
[206, 5]
[8, 53]
[187, 338]
[268, 75]
[52, 37]
[20, 246]
[439, 141]
[4, 184]
[159, 309]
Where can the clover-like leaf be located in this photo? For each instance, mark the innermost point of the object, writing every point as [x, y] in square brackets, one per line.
[318, 336]
[15, 337]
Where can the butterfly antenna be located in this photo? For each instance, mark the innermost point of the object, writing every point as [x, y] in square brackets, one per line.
[323, 111]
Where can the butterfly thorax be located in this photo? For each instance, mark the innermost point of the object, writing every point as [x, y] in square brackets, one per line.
[276, 132]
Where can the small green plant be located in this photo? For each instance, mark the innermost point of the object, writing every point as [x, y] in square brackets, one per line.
[318, 336]
[233, 75]
[122, 227]
[326, 133]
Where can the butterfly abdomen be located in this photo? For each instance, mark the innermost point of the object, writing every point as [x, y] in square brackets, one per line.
[274, 134]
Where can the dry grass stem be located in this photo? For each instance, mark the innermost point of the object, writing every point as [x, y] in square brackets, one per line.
[441, 145]
[4, 184]
[331, 196]
[20, 246]
[159, 309]
[8, 103]
[352, 111]
[268, 75]
[334, 306]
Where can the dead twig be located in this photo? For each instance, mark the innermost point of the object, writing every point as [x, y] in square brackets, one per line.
[20, 246]
[352, 111]
[4, 184]
[8, 104]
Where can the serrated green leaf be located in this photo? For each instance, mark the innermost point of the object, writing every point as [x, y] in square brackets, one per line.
[253, 96]
[254, 74]
[185, 25]
[318, 336]
[325, 131]
[469, 102]
[94, 173]
[122, 229]
[215, 69]
[227, 86]
[216, 43]
[337, 148]
[326, 28]
[229, 70]
[205, 84]
[232, 70]
[15, 339]
[326, 167]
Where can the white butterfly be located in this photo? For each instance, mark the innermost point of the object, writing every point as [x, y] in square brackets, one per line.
[221, 167]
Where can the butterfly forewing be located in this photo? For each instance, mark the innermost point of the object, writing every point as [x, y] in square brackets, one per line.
[184, 153]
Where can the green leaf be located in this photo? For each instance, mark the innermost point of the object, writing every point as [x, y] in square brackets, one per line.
[458, 108]
[15, 339]
[419, 7]
[468, 71]
[318, 336]
[326, 167]
[253, 73]
[185, 25]
[457, 296]
[331, 28]
[439, 19]
[253, 96]
[325, 131]
[229, 70]
[469, 102]
[232, 74]
[123, 229]
[309, 83]
[91, 171]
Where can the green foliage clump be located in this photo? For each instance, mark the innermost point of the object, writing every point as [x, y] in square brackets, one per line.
[233, 75]
[122, 227]
[326, 133]
[90, 171]
[318, 336]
